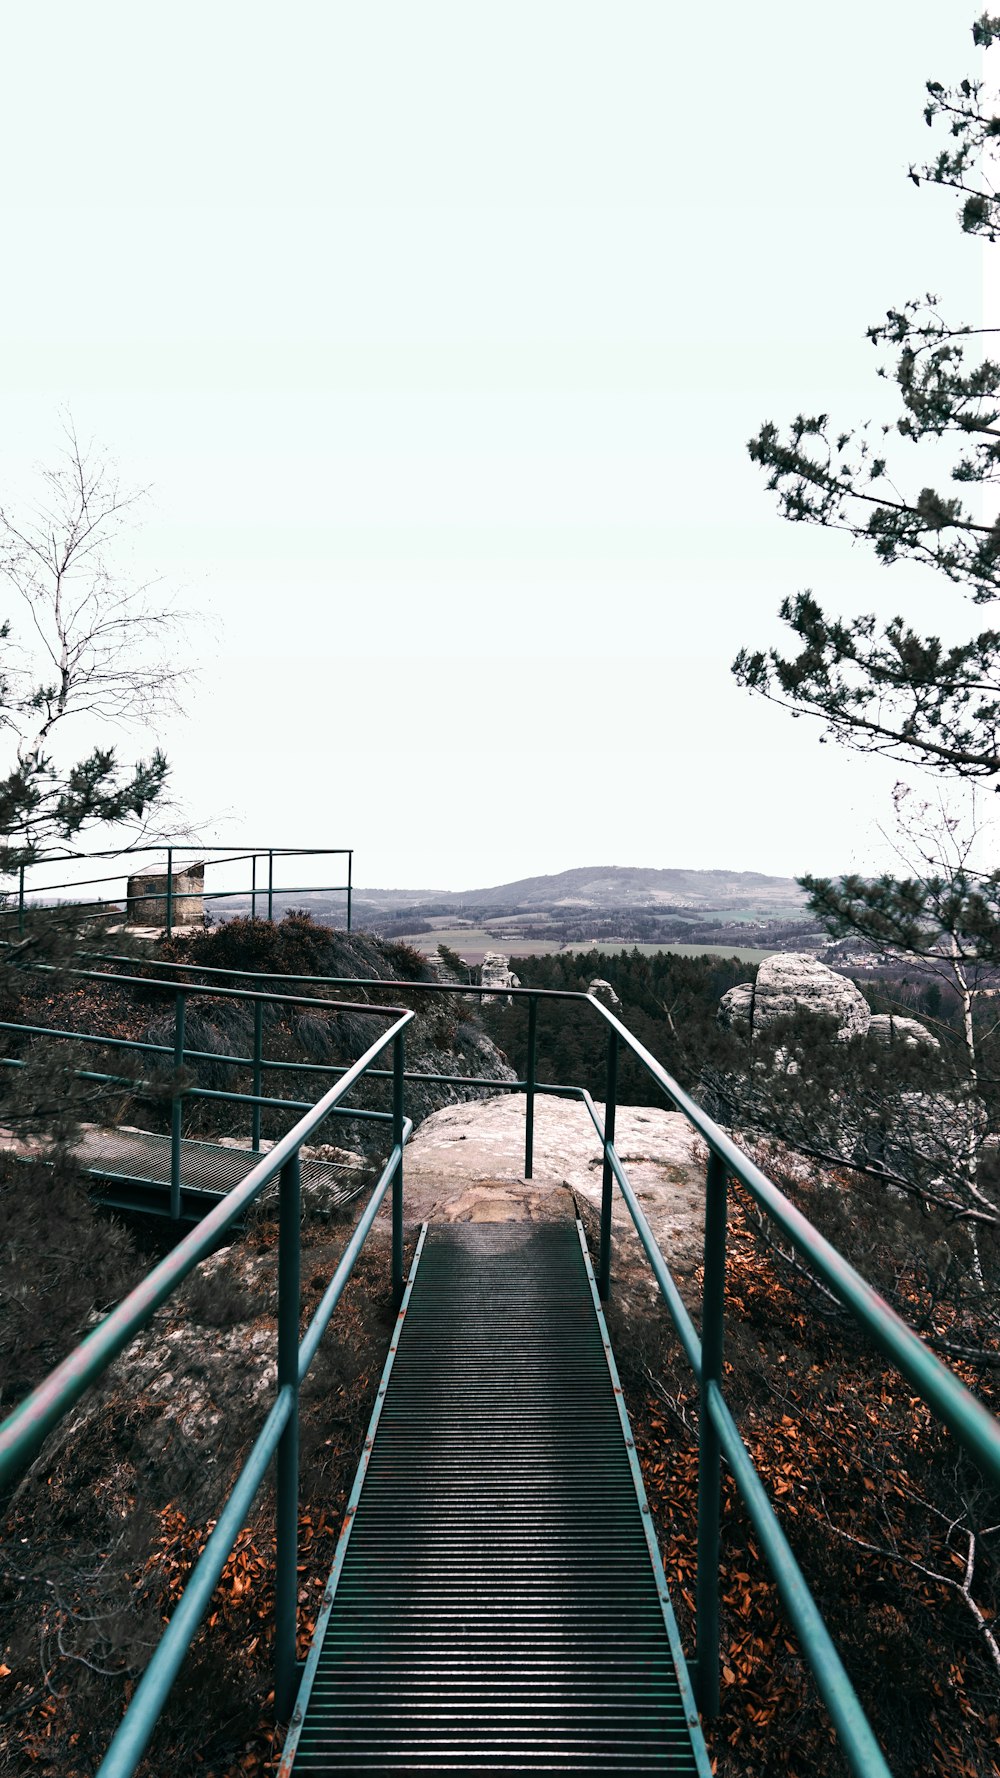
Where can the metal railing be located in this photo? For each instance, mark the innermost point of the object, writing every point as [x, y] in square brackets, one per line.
[26, 1428]
[181, 1055]
[976, 1430]
[167, 864]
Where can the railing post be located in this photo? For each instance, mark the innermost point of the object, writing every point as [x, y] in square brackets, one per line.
[270, 886]
[177, 1107]
[610, 1107]
[170, 891]
[350, 862]
[286, 1587]
[20, 903]
[258, 1052]
[709, 1455]
[398, 1063]
[253, 887]
[529, 1097]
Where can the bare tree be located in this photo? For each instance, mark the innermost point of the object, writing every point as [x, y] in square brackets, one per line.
[91, 645]
[942, 914]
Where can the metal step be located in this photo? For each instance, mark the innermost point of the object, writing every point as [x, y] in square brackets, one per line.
[498, 1604]
[131, 1171]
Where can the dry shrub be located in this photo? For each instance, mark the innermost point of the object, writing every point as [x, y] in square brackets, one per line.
[877, 1503]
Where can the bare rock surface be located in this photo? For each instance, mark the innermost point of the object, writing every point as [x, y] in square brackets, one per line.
[466, 1163]
[889, 1027]
[497, 973]
[603, 990]
[795, 981]
[736, 1005]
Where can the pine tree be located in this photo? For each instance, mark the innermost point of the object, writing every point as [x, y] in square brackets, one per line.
[885, 688]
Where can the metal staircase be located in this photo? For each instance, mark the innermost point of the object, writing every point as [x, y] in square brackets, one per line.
[498, 1602]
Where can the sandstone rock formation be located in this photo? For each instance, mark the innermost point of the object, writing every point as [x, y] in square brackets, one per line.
[889, 1027]
[603, 990]
[795, 981]
[736, 1006]
[440, 970]
[466, 1164]
[939, 1128]
[497, 973]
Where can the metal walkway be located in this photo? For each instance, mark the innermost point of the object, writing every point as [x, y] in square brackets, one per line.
[133, 1170]
[497, 1603]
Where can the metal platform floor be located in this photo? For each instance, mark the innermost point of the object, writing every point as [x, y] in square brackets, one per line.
[132, 1168]
[497, 1603]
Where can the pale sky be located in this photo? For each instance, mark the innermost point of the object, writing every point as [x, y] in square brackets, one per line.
[438, 332]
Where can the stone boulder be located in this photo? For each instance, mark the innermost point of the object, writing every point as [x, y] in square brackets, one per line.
[736, 1006]
[888, 1027]
[934, 1127]
[796, 981]
[602, 990]
[497, 973]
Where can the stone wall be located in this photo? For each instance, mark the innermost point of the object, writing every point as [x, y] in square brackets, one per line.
[147, 897]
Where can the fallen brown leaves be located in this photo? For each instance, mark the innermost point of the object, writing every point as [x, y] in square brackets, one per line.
[218, 1721]
[849, 1456]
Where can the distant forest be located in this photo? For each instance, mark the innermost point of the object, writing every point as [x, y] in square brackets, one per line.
[568, 926]
[668, 1002]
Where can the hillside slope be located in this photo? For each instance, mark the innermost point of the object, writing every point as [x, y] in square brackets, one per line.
[608, 885]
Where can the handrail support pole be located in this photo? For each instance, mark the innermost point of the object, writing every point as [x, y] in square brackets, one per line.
[170, 892]
[258, 1055]
[707, 1658]
[610, 1108]
[177, 1107]
[398, 1065]
[529, 1098]
[287, 1501]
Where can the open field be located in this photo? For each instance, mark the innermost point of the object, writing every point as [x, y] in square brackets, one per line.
[472, 943]
[745, 953]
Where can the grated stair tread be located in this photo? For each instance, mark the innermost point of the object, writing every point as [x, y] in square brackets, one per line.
[496, 1607]
[133, 1167]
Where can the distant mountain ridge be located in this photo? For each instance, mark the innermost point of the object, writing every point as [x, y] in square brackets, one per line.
[608, 885]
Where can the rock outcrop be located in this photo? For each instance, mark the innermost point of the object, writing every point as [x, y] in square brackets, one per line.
[937, 1128]
[602, 990]
[795, 981]
[466, 1164]
[736, 1006]
[889, 1027]
[497, 973]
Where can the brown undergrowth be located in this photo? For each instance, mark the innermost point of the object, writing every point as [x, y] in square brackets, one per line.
[100, 1541]
[895, 1531]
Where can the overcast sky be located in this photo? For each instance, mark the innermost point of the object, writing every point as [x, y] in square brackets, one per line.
[438, 332]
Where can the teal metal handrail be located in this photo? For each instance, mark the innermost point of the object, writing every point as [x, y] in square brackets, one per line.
[974, 1427]
[167, 896]
[894, 1337]
[25, 1429]
[180, 1054]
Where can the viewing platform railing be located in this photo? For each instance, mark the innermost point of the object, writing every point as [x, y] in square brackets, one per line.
[258, 885]
[975, 1429]
[26, 1428]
